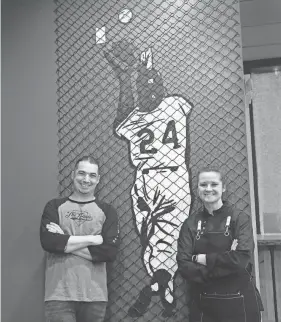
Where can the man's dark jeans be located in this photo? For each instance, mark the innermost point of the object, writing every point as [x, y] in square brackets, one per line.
[72, 311]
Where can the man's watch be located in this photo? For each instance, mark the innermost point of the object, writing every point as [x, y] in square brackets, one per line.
[194, 258]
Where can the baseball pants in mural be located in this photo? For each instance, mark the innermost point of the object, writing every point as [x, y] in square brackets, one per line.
[160, 206]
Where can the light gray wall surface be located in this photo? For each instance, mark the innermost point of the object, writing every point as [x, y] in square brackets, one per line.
[29, 151]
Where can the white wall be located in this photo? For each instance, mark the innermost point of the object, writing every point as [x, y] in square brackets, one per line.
[29, 151]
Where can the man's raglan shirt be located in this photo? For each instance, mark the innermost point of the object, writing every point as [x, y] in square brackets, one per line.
[68, 276]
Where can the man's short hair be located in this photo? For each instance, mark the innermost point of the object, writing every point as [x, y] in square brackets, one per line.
[88, 158]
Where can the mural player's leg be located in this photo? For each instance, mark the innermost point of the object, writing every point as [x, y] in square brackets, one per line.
[160, 209]
[142, 303]
[160, 258]
[142, 215]
[168, 218]
[145, 206]
[160, 283]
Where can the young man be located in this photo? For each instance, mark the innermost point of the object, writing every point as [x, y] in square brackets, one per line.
[79, 235]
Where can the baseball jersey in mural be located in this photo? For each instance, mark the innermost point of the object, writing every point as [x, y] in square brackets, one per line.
[161, 194]
[70, 277]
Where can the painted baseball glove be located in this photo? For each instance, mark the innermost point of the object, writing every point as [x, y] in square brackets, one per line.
[122, 55]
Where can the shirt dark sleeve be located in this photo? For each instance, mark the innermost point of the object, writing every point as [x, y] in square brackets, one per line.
[107, 251]
[52, 242]
[191, 271]
[226, 263]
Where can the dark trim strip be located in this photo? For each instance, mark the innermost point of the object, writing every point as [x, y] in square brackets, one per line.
[271, 250]
[265, 64]
[255, 170]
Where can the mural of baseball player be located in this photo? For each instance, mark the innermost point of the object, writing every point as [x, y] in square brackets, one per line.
[156, 129]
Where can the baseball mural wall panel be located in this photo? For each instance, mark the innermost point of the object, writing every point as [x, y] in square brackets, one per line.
[154, 90]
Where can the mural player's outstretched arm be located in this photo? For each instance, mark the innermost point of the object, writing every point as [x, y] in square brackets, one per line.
[121, 58]
[150, 87]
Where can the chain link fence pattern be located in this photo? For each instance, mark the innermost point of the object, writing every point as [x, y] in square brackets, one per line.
[196, 48]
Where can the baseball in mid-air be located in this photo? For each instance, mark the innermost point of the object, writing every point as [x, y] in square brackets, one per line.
[125, 15]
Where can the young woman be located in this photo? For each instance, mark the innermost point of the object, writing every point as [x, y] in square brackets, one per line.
[215, 249]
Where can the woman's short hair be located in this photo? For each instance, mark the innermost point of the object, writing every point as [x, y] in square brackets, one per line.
[213, 169]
